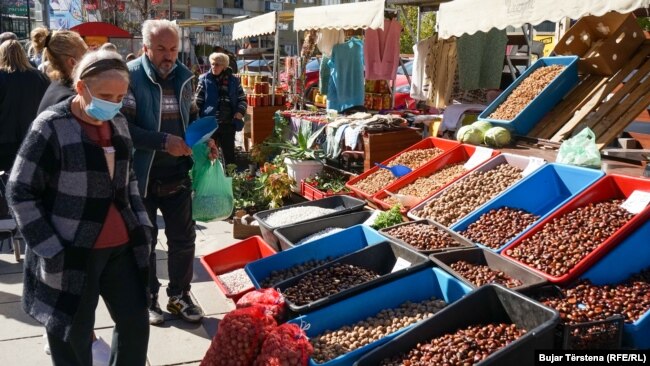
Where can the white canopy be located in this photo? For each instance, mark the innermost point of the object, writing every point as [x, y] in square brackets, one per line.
[366, 14]
[262, 24]
[470, 16]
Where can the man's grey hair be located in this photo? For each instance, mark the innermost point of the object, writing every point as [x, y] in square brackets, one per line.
[151, 27]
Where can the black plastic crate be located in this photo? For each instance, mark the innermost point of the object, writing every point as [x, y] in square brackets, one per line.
[483, 256]
[390, 260]
[288, 236]
[599, 334]
[350, 204]
[488, 304]
[463, 243]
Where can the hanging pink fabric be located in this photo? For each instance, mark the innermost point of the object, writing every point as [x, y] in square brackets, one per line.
[381, 51]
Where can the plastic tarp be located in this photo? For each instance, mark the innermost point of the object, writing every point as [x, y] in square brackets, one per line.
[470, 16]
[262, 24]
[365, 15]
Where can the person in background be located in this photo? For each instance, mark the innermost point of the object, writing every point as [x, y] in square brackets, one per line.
[21, 90]
[232, 59]
[63, 49]
[130, 57]
[109, 47]
[36, 46]
[85, 227]
[158, 110]
[219, 93]
[7, 36]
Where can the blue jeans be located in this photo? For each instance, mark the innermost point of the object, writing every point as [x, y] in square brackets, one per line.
[176, 210]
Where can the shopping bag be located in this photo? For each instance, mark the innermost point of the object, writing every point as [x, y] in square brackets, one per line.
[580, 150]
[213, 198]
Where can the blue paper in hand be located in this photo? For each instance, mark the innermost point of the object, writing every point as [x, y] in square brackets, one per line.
[200, 130]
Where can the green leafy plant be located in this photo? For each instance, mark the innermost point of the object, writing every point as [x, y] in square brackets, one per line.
[388, 218]
[264, 152]
[276, 183]
[303, 148]
[248, 189]
[328, 182]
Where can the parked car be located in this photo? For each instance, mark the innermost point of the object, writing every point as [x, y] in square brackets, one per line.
[403, 87]
[312, 72]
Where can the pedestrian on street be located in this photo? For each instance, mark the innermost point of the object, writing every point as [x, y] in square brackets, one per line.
[158, 110]
[219, 93]
[21, 90]
[77, 205]
[63, 49]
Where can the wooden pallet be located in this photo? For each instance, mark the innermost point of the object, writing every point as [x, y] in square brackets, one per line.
[602, 103]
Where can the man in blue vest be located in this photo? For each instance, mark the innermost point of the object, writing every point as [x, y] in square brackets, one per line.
[161, 88]
[219, 93]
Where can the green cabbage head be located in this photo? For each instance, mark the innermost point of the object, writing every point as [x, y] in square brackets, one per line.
[497, 137]
[483, 126]
[469, 135]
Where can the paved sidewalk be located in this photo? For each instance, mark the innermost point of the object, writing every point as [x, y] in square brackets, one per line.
[174, 343]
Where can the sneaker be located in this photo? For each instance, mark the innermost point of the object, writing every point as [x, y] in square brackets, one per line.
[155, 313]
[46, 345]
[184, 307]
[101, 352]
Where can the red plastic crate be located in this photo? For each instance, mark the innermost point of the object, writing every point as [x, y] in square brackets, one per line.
[312, 193]
[234, 257]
[428, 143]
[458, 155]
[609, 187]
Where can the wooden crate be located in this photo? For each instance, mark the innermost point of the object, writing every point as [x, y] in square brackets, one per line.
[606, 104]
[262, 122]
[379, 146]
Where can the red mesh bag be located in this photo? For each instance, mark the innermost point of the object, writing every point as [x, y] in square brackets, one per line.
[286, 345]
[239, 338]
[268, 298]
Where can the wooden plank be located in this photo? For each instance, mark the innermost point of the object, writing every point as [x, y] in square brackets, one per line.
[624, 120]
[588, 106]
[639, 90]
[600, 93]
[643, 68]
[564, 112]
[559, 115]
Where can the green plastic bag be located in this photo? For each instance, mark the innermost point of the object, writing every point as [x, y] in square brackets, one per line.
[580, 150]
[213, 198]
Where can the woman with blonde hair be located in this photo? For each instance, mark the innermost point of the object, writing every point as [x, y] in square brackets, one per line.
[21, 90]
[62, 49]
[86, 230]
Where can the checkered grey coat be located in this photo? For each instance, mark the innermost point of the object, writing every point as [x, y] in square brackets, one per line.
[60, 191]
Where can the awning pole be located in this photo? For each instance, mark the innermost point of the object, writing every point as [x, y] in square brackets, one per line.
[417, 34]
[276, 55]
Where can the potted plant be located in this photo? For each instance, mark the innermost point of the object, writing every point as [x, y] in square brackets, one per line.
[326, 184]
[301, 158]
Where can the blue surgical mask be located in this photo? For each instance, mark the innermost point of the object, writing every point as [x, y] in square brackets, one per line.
[102, 110]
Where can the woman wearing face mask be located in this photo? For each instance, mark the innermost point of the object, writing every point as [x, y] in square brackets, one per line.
[62, 49]
[76, 201]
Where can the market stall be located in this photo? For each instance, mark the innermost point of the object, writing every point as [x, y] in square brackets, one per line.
[589, 103]
[264, 98]
[96, 34]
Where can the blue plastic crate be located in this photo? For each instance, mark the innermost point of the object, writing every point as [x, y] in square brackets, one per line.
[540, 193]
[335, 245]
[417, 287]
[544, 102]
[631, 256]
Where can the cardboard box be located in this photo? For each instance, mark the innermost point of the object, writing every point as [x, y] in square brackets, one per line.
[603, 43]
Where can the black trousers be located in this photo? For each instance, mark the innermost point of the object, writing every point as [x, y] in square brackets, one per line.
[225, 137]
[176, 210]
[113, 274]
